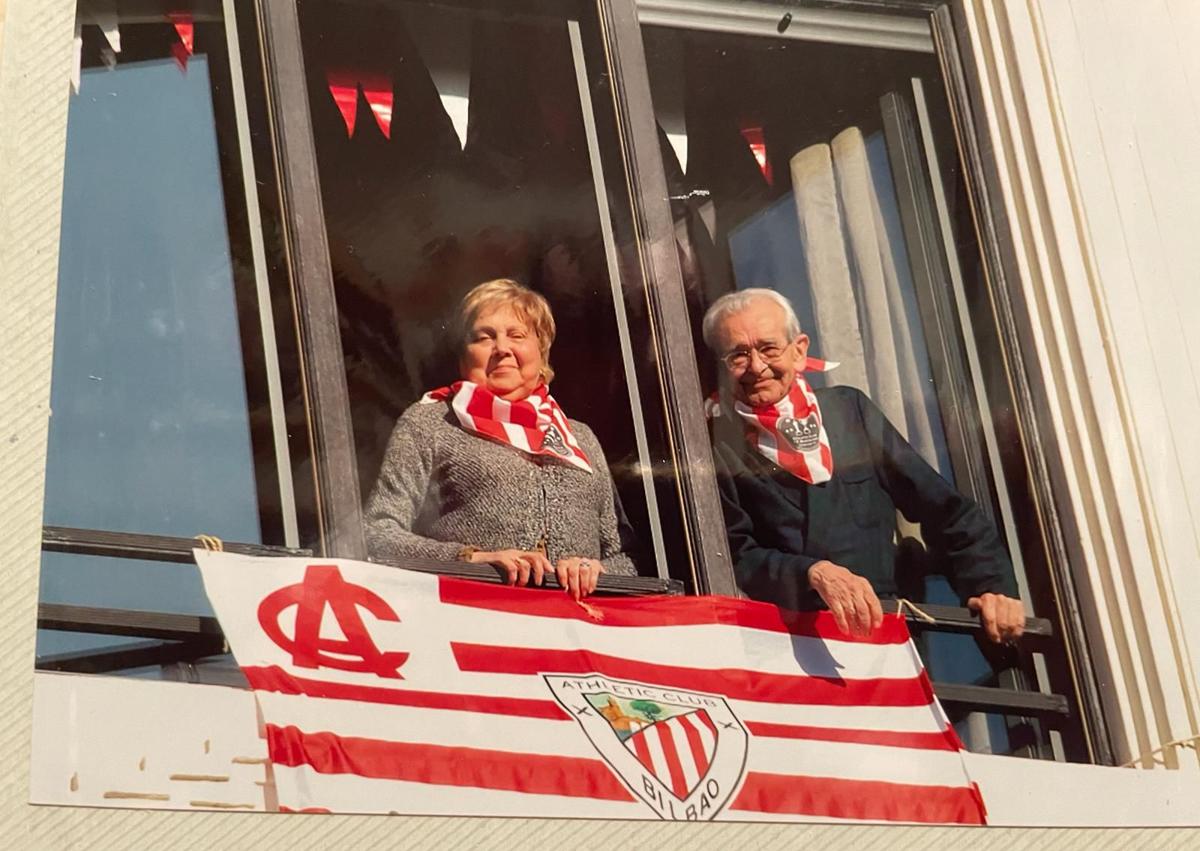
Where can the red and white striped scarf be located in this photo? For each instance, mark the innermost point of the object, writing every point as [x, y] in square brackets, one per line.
[790, 432]
[535, 425]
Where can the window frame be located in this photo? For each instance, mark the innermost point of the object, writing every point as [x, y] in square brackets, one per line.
[997, 241]
[996, 237]
[322, 369]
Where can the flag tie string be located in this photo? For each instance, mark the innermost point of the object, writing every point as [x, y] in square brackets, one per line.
[214, 545]
[211, 543]
[903, 603]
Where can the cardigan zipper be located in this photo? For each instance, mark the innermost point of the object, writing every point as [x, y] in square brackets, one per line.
[541, 544]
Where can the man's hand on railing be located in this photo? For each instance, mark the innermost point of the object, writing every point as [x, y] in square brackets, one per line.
[856, 609]
[850, 598]
[1003, 617]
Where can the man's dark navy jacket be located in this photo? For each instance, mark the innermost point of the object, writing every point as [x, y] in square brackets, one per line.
[779, 525]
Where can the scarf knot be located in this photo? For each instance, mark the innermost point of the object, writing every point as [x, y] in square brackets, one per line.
[534, 425]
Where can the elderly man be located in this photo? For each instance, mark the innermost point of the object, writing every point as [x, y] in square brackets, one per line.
[810, 482]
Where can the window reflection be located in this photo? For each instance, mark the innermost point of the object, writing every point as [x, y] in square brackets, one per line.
[162, 422]
[148, 393]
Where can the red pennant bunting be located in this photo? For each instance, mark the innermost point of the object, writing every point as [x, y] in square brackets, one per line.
[758, 146]
[344, 89]
[378, 92]
[185, 28]
[376, 88]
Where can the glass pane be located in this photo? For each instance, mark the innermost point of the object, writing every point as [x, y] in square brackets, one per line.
[114, 583]
[459, 144]
[118, 583]
[166, 397]
[161, 422]
[789, 168]
[59, 649]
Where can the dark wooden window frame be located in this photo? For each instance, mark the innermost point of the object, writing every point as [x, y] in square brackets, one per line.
[679, 377]
[997, 240]
[323, 370]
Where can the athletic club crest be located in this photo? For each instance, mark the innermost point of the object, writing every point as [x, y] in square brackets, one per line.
[553, 440]
[804, 435]
[681, 752]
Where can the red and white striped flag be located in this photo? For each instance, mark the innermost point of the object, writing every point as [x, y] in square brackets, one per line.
[384, 690]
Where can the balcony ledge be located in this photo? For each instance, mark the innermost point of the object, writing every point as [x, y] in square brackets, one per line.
[101, 729]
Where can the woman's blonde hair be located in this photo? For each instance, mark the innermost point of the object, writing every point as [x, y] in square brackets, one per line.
[533, 309]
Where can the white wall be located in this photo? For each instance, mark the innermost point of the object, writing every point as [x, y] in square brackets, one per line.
[1098, 277]
[1125, 75]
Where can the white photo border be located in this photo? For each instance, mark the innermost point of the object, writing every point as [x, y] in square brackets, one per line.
[35, 62]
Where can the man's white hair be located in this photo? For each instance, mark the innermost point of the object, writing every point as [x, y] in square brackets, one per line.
[736, 302]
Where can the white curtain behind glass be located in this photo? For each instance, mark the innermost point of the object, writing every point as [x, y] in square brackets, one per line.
[863, 307]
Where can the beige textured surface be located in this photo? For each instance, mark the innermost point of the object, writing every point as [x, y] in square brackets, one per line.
[33, 92]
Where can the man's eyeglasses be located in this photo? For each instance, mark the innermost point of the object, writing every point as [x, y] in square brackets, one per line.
[740, 358]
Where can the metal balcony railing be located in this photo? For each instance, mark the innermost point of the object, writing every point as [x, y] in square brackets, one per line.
[171, 638]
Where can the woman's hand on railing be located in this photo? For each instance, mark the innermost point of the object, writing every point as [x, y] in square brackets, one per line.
[519, 566]
[578, 575]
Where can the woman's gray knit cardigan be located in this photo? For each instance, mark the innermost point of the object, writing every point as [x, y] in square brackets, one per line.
[442, 488]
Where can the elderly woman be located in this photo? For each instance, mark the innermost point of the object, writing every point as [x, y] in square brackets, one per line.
[489, 470]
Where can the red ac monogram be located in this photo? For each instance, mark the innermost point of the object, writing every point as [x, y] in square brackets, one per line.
[323, 584]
